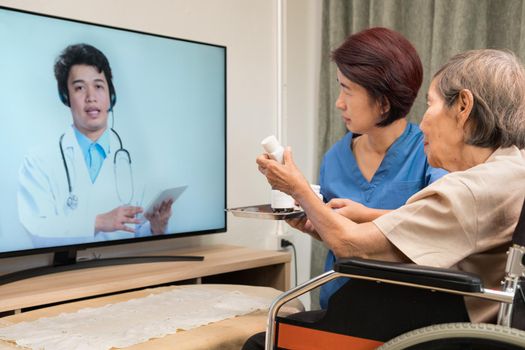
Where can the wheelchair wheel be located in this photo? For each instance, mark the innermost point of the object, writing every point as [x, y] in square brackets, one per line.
[452, 336]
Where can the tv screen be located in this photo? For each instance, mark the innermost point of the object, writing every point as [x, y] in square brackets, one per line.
[108, 136]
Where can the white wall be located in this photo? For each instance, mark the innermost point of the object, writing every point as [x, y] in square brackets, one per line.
[303, 45]
[248, 29]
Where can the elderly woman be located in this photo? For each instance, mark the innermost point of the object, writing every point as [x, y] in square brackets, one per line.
[474, 127]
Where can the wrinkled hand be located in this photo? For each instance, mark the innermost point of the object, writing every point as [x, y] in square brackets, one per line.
[301, 223]
[285, 177]
[116, 219]
[159, 217]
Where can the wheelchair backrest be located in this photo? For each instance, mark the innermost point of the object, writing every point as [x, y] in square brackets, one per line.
[516, 269]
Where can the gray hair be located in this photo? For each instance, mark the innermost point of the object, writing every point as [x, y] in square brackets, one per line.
[496, 79]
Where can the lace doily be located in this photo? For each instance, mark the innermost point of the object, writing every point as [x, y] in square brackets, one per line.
[134, 321]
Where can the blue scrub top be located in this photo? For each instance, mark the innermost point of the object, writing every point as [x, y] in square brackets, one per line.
[403, 172]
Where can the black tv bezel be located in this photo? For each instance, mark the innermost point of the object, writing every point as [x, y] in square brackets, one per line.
[83, 246]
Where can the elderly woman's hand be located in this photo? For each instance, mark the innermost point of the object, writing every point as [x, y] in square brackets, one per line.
[283, 177]
[302, 224]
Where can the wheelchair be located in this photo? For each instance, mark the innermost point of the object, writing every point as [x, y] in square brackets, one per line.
[393, 306]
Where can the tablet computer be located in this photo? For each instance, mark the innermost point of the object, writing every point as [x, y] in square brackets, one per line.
[170, 193]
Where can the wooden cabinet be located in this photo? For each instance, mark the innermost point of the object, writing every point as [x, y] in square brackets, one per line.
[222, 264]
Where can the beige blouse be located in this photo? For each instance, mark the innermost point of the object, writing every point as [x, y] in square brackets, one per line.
[464, 221]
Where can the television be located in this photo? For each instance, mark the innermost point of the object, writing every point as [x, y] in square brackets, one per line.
[102, 160]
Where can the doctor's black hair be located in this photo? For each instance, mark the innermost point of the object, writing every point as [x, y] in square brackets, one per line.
[81, 54]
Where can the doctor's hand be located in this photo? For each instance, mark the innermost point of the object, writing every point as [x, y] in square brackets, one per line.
[116, 219]
[283, 177]
[159, 217]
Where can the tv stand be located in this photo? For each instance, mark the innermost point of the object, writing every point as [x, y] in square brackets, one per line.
[222, 264]
[67, 260]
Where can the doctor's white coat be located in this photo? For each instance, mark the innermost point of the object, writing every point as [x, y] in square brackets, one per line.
[43, 193]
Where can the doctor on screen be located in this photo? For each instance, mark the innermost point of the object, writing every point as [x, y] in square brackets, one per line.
[80, 187]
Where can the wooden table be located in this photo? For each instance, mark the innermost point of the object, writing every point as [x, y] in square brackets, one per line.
[224, 335]
[222, 264]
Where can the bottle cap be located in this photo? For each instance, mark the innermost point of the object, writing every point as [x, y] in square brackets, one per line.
[316, 188]
[271, 144]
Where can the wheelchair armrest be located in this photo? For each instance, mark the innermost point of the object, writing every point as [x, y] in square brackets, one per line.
[411, 273]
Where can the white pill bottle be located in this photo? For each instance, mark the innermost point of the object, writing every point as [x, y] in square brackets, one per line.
[280, 201]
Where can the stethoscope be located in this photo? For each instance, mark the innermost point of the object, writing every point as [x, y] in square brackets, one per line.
[72, 199]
